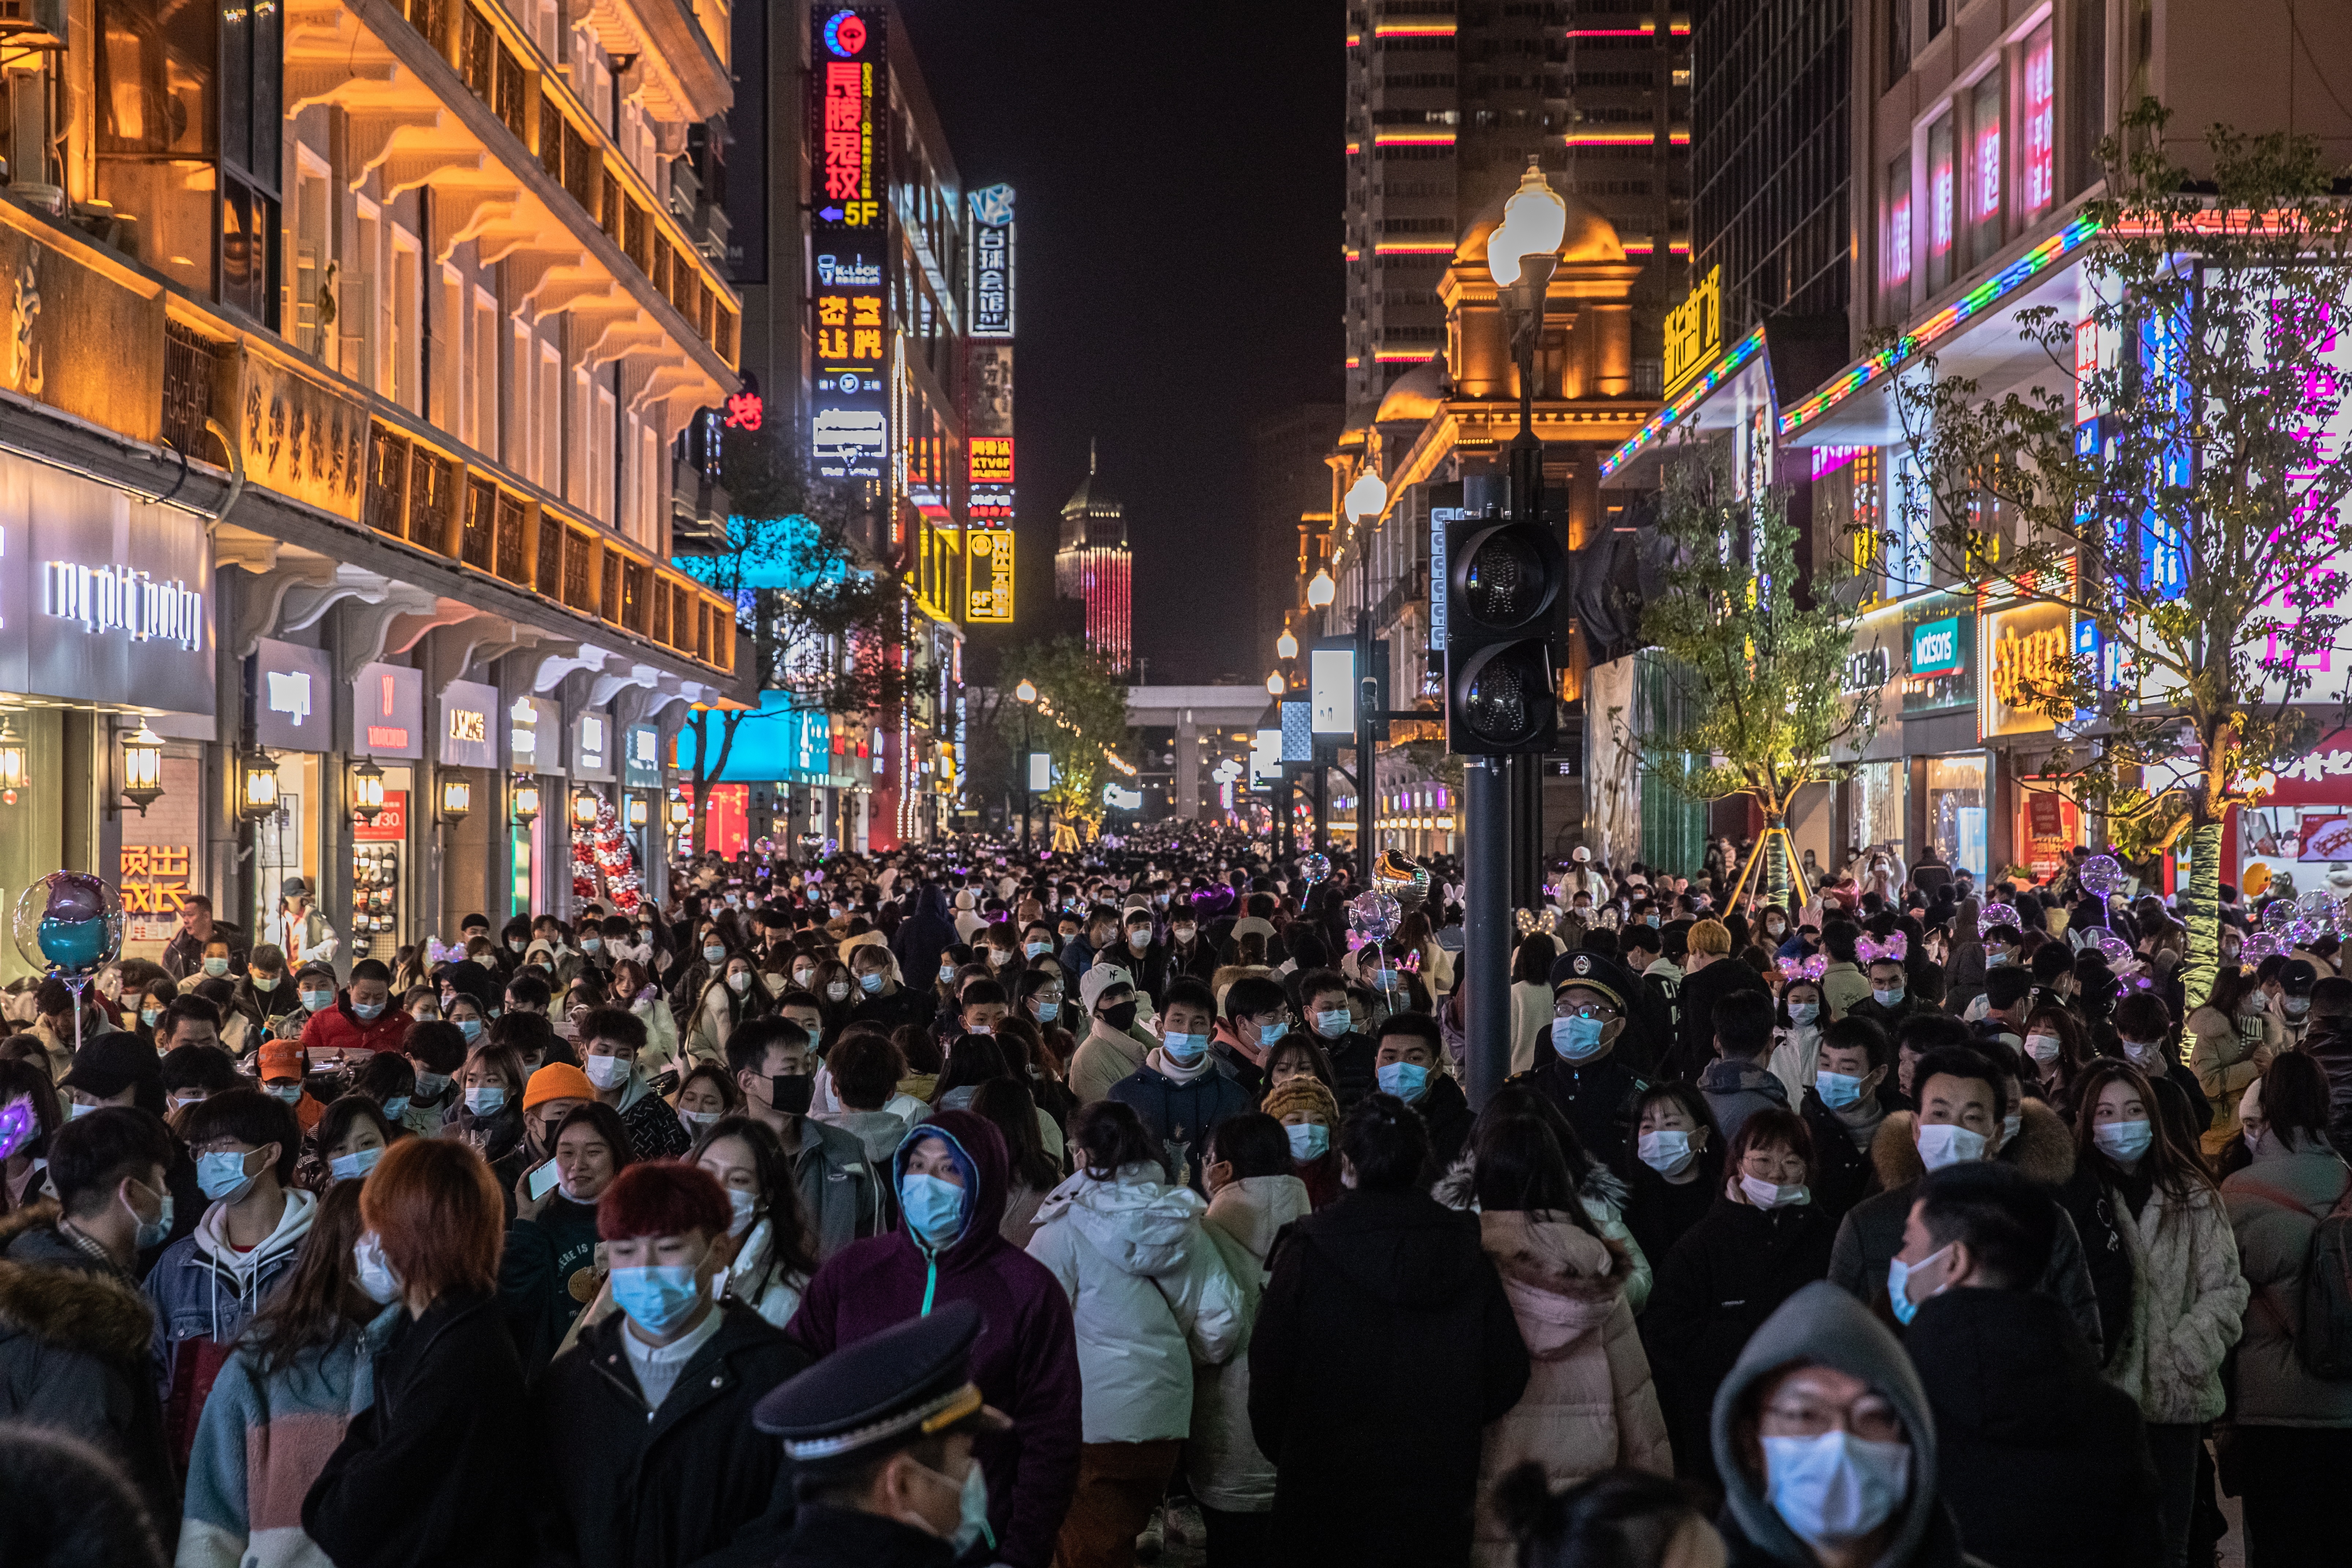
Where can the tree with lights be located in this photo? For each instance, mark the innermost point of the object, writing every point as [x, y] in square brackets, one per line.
[604, 863]
[2201, 529]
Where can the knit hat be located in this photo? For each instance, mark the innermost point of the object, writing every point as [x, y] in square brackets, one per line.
[1304, 1092]
[1099, 979]
[279, 1059]
[557, 1081]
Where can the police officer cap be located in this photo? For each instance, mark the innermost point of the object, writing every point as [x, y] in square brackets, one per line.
[1591, 972]
[882, 1394]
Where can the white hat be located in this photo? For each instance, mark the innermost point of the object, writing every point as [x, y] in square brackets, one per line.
[1099, 979]
[1581, 855]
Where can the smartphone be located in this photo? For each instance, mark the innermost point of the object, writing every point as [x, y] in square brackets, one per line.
[540, 1181]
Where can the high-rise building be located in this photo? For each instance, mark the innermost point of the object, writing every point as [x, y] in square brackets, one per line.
[1447, 102]
[1095, 567]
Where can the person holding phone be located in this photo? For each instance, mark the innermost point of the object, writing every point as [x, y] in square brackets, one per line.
[550, 1270]
[611, 1039]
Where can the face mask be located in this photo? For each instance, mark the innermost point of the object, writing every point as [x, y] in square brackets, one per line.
[396, 1107]
[430, 1084]
[215, 967]
[318, 1000]
[739, 983]
[1886, 998]
[1668, 1152]
[1837, 1090]
[1185, 1049]
[1119, 1015]
[1803, 1013]
[1775, 928]
[1185, 933]
[746, 1207]
[487, 1100]
[659, 1299]
[1309, 1141]
[1270, 1034]
[381, 1284]
[1036, 949]
[838, 991]
[2139, 1053]
[803, 978]
[77, 1111]
[871, 981]
[607, 1072]
[148, 1015]
[223, 1176]
[1407, 1080]
[265, 984]
[1771, 1194]
[1835, 1488]
[152, 1232]
[2043, 1049]
[712, 952]
[2123, 1140]
[591, 945]
[2296, 1006]
[286, 1093]
[1138, 939]
[470, 1029]
[1333, 1022]
[933, 1207]
[792, 1093]
[971, 1509]
[1943, 1144]
[1577, 1040]
[367, 1012]
[348, 1166]
[1899, 1285]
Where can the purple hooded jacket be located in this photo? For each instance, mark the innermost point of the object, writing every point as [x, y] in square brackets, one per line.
[1026, 1360]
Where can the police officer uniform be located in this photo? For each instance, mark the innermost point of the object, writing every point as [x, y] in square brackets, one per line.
[1598, 1097]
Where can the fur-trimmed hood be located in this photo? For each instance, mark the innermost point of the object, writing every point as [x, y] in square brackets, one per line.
[1458, 1188]
[2043, 1149]
[1563, 1281]
[52, 1291]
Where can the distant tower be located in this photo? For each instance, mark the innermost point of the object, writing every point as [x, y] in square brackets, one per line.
[1095, 567]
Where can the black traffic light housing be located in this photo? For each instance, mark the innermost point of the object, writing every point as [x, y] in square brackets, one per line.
[1504, 582]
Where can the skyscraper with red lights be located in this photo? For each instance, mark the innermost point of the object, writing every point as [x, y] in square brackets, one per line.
[1095, 567]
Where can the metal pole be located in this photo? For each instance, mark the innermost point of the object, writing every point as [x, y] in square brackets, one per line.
[1367, 801]
[1486, 927]
[1024, 776]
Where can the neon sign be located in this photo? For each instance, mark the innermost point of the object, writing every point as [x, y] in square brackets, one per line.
[852, 156]
[744, 411]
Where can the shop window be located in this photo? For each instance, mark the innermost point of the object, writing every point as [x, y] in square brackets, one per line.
[2037, 117]
[1956, 814]
[1985, 168]
[609, 602]
[1940, 199]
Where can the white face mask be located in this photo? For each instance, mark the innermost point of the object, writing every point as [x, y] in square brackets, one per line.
[1943, 1144]
[1835, 1488]
[1668, 1152]
[1771, 1194]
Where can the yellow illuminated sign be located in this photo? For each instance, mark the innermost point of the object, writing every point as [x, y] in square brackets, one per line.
[991, 568]
[1695, 330]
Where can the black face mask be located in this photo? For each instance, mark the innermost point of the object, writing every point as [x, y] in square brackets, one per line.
[791, 1092]
[1121, 1017]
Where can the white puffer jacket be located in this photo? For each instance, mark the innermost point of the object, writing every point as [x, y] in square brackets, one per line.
[1228, 1471]
[1149, 1295]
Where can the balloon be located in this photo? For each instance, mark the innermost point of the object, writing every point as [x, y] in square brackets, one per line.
[2117, 952]
[2258, 946]
[2101, 874]
[1316, 867]
[1997, 915]
[1402, 880]
[1372, 915]
[2278, 914]
[69, 923]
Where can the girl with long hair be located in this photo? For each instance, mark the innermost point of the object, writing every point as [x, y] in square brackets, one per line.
[776, 1250]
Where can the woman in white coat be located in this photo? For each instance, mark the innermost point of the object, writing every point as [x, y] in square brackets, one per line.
[1149, 1296]
[1252, 1196]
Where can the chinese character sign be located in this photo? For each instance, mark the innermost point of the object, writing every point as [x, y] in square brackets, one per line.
[850, 421]
[850, 147]
[991, 460]
[991, 575]
[992, 262]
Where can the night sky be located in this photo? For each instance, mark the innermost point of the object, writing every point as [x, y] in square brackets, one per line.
[1181, 186]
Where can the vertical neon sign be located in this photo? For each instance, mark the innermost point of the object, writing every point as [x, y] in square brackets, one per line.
[1939, 204]
[2037, 160]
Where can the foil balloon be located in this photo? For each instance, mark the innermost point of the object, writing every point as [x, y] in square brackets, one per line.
[2102, 875]
[70, 923]
[1997, 915]
[1315, 868]
[763, 846]
[1372, 916]
[1400, 879]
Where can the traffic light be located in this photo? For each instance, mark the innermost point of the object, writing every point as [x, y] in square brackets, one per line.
[1504, 580]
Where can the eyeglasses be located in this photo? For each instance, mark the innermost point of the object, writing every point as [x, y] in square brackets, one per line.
[1586, 1010]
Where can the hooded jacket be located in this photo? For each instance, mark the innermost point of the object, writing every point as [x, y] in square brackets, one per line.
[1737, 1090]
[75, 1339]
[1227, 1470]
[925, 934]
[1872, 1232]
[337, 1031]
[840, 1187]
[1150, 1295]
[1383, 1347]
[204, 1291]
[1026, 1360]
[1589, 1404]
[1823, 1325]
[2043, 1462]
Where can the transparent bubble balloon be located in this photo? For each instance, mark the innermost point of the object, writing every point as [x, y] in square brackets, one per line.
[1316, 867]
[1997, 915]
[2303, 932]
[69, 923]
[1372, 915]
[2317, 905]
[2102, 875]
[2258, 946]
[2112, 948]
[763, 846]
[2278, 914]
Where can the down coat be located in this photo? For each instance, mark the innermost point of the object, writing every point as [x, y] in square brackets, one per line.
[1149, 1295]
[2275, 1205]
[1589, 1404]
[1228, 1471]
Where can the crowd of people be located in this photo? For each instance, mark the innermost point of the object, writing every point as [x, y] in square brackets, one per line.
[989, 1206]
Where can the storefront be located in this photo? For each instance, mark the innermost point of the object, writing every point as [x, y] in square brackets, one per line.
[2299, 840]
[292, 693]
[535, 758]
[2026, 649]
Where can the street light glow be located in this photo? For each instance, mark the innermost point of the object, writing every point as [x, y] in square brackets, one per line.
[1285, 646]
[1321, 591]
[1368, 495]
[1026, 691]
[1273, 684]
[1534, 220]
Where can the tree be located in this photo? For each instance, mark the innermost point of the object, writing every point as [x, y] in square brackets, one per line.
[825, 629]
[1760, 675]
[2202, 530]
[1080, 714]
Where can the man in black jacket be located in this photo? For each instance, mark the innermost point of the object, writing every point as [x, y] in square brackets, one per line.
[646, 1427]
[1383, 1346]
[1711, 974]
[1843, 1108]
[2043, 1463]
[1586, 1075]
[2328, 1042]
[1323, 1003]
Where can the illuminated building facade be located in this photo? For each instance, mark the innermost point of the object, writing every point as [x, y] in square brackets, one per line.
[1447, 101]
[1095, 567]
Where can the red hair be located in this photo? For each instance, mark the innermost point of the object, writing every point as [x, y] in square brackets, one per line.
[663, 1197]
[435, 1208]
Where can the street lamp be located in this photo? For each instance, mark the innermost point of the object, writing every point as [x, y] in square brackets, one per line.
[143, 767]
[1285, 646]
[526, 800]
[260, 784]
[585, 805]
[639, 812]
[12, 762]
[1274, 686]
[1026, 692]
[1522, 253]
[367, 792]
[1322, 590]
[457, 797]
[1366, 497]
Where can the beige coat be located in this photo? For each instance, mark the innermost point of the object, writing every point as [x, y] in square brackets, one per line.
[1590, 1404]
[1227, 1470]
[2189, 1300]
[2222, 1058]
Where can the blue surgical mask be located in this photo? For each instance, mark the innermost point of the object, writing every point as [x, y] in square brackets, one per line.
[1185, 1049]
[1309, 1141]
[591, 945]
[215, 967]
[223, 1176]
[1837, 1090]
[1047, 1010]
[376, 1276]
[285, 1093]
[357, 1164]
[1333, 1022]
[934, 1209]
[872, 982]
[395, 1108]
[1886, 997]
[148, 1015]
[1036, 949]
[152, 1232]
[487, 1100]
[2123, 1140]
[1407, 1080]
[471, 1029]
[367, 1012]
[659, 1299]
[1803, 1011]
[318, 1000]
[1271, 1034]
[1577, 1040]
